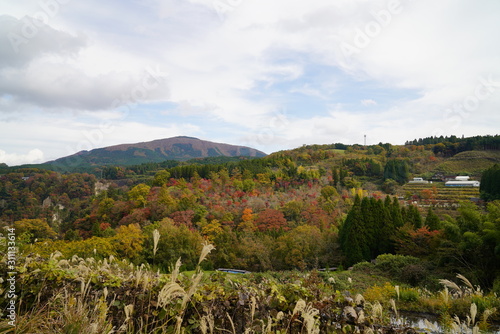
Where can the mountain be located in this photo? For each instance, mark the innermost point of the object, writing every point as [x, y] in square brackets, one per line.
[177, 148]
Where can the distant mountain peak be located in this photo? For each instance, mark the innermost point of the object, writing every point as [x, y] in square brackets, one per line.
[175, 148]
[186, 137]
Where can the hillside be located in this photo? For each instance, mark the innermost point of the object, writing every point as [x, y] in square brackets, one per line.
[175, 148]
[470, 162]
[112, 240]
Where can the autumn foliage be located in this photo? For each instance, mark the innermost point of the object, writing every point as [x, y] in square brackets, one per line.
[313, 207]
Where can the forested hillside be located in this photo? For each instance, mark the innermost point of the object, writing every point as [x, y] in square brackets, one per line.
[321, 206]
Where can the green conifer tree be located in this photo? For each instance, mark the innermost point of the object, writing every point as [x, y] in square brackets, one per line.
[414, 217]
[396, 213]
[371, 224]
[432, 220]
[352, 236]
[387, 228]
[490, 183]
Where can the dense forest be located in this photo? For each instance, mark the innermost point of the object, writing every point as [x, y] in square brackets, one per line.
[314, 207]
[453, 145]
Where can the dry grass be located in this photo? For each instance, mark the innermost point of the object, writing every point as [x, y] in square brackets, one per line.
[65, 313]
[112, 296]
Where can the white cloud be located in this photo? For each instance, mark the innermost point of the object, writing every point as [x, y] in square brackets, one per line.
[368, 102]
[51, 69]
[13, 159]
[434, 49]
[50, 83]
[62, 135]
[243, 67]
[23, 40]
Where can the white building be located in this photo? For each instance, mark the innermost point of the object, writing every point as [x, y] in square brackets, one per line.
[418, 180]
[458, 183]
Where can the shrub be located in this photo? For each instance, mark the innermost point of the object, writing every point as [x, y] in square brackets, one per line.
[97, 247]
[365, 267]
[459, 307]
[380, 293]
[486, 302]
[414, 274]
[395, 265]
[496, 286]
[408, 295]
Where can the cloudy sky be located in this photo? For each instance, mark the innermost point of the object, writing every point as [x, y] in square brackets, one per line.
[273, 75]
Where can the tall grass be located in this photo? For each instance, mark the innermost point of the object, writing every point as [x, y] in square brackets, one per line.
[79, 295]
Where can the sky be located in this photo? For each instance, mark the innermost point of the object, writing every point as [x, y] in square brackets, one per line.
[272, 75]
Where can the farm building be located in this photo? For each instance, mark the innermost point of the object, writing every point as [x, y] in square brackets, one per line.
[458, 183]
[462, 181]
[418, 180]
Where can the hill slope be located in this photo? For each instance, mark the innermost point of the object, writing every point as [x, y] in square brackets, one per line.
[470, 162]
[176, 148]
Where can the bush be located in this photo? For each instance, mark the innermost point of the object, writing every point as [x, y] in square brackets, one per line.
[414, 274]
[395, 265]
[365, 267]
[408, 295]
[380, 293]
[486, 302]
[496, 286]
[459, 307]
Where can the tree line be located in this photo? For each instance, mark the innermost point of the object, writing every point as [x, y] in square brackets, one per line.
[452, 145]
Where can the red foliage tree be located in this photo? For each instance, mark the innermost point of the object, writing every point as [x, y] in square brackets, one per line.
[183, 218]
[137, 216]
[419, 242]
[271, 220]
[316, 216]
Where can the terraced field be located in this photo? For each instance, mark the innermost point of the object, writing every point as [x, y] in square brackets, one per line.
[438, 193]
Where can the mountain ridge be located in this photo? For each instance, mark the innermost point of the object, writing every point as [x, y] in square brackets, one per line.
[180, 148]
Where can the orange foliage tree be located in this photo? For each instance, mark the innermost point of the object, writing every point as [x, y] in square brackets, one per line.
[247, 220]
[420, 242]
[271, 220]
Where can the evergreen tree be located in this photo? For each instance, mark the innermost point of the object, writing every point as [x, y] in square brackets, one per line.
[432, 220]
[352, 236]
[387, 228]
[390, 170]
[396, 214]
[342, 176]
[490, 184]
[335, 176]
[370, 228]
[404, 214]
[387, 202]
[371, 224]
[413, 217]
[397, 170]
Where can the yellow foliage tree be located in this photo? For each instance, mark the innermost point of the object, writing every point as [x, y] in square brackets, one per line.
[128, 241]
[263, 178]
[139, 194]
[36, 228]
[211, 230]
[358, 191]
[93, 247]
[247, 219]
